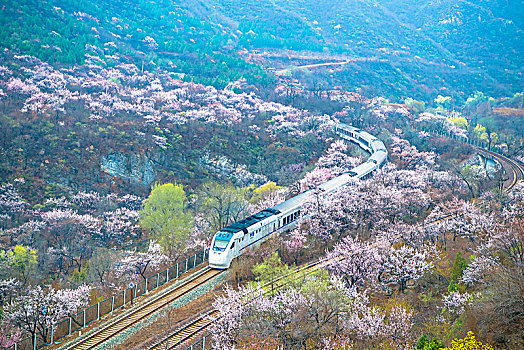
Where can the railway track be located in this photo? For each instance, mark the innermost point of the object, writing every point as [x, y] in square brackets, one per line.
[196, 327]
[187, 332]
[516, 173]
[139, 313]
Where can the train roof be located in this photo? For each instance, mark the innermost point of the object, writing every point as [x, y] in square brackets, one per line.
[363, 168]
[348, 127]
[379, 155]
[292, 203]
[250, 220]
[367, 136]
[337, 182]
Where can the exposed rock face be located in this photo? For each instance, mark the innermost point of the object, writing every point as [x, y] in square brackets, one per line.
[137, 170]
[237, 173]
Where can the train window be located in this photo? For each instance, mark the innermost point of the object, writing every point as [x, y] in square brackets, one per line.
[233, 245]
[220, 245]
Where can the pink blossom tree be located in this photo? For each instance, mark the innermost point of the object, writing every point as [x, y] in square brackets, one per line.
[408, 156]
[295, 242]
[69, 236]
[314, 178]
[232, 306]
[336, 160]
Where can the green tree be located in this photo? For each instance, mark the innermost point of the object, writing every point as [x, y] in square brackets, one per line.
[19, 262]
[460, 122]
[270, 269]
[480, 132]
[443, 101]
[485, 135]
[264, 191]
[416, 106]
[476, 99]
[166, 218]
[424, 343]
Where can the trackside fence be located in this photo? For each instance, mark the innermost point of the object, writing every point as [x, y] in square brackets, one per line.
[95, 312]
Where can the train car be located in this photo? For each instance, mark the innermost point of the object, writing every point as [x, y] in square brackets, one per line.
[365, 169]
[377, 145]
[231, 241]
[345, 179]
[378, 158]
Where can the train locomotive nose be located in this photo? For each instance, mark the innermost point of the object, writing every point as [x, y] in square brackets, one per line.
[218, 260]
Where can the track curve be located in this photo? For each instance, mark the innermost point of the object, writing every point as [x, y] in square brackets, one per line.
[516, 171]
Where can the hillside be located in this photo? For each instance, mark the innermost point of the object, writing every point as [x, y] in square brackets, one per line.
[428, 46]
[150, 34]
[418, 49]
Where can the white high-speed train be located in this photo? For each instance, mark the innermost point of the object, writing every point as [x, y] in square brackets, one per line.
[231, 241]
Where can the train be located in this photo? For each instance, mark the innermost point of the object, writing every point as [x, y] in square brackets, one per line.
[231, 241]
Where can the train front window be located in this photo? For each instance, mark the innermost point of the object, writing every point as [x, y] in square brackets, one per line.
[222, 239]
[220, 245]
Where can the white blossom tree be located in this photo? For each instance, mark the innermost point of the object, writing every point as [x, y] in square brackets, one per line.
[39, 308]
[403, 265]
[355, 261]
[456, 302]
[139, 263]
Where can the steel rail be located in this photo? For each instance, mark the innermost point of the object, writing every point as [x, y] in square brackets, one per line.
[518, 172]
[139, 313]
